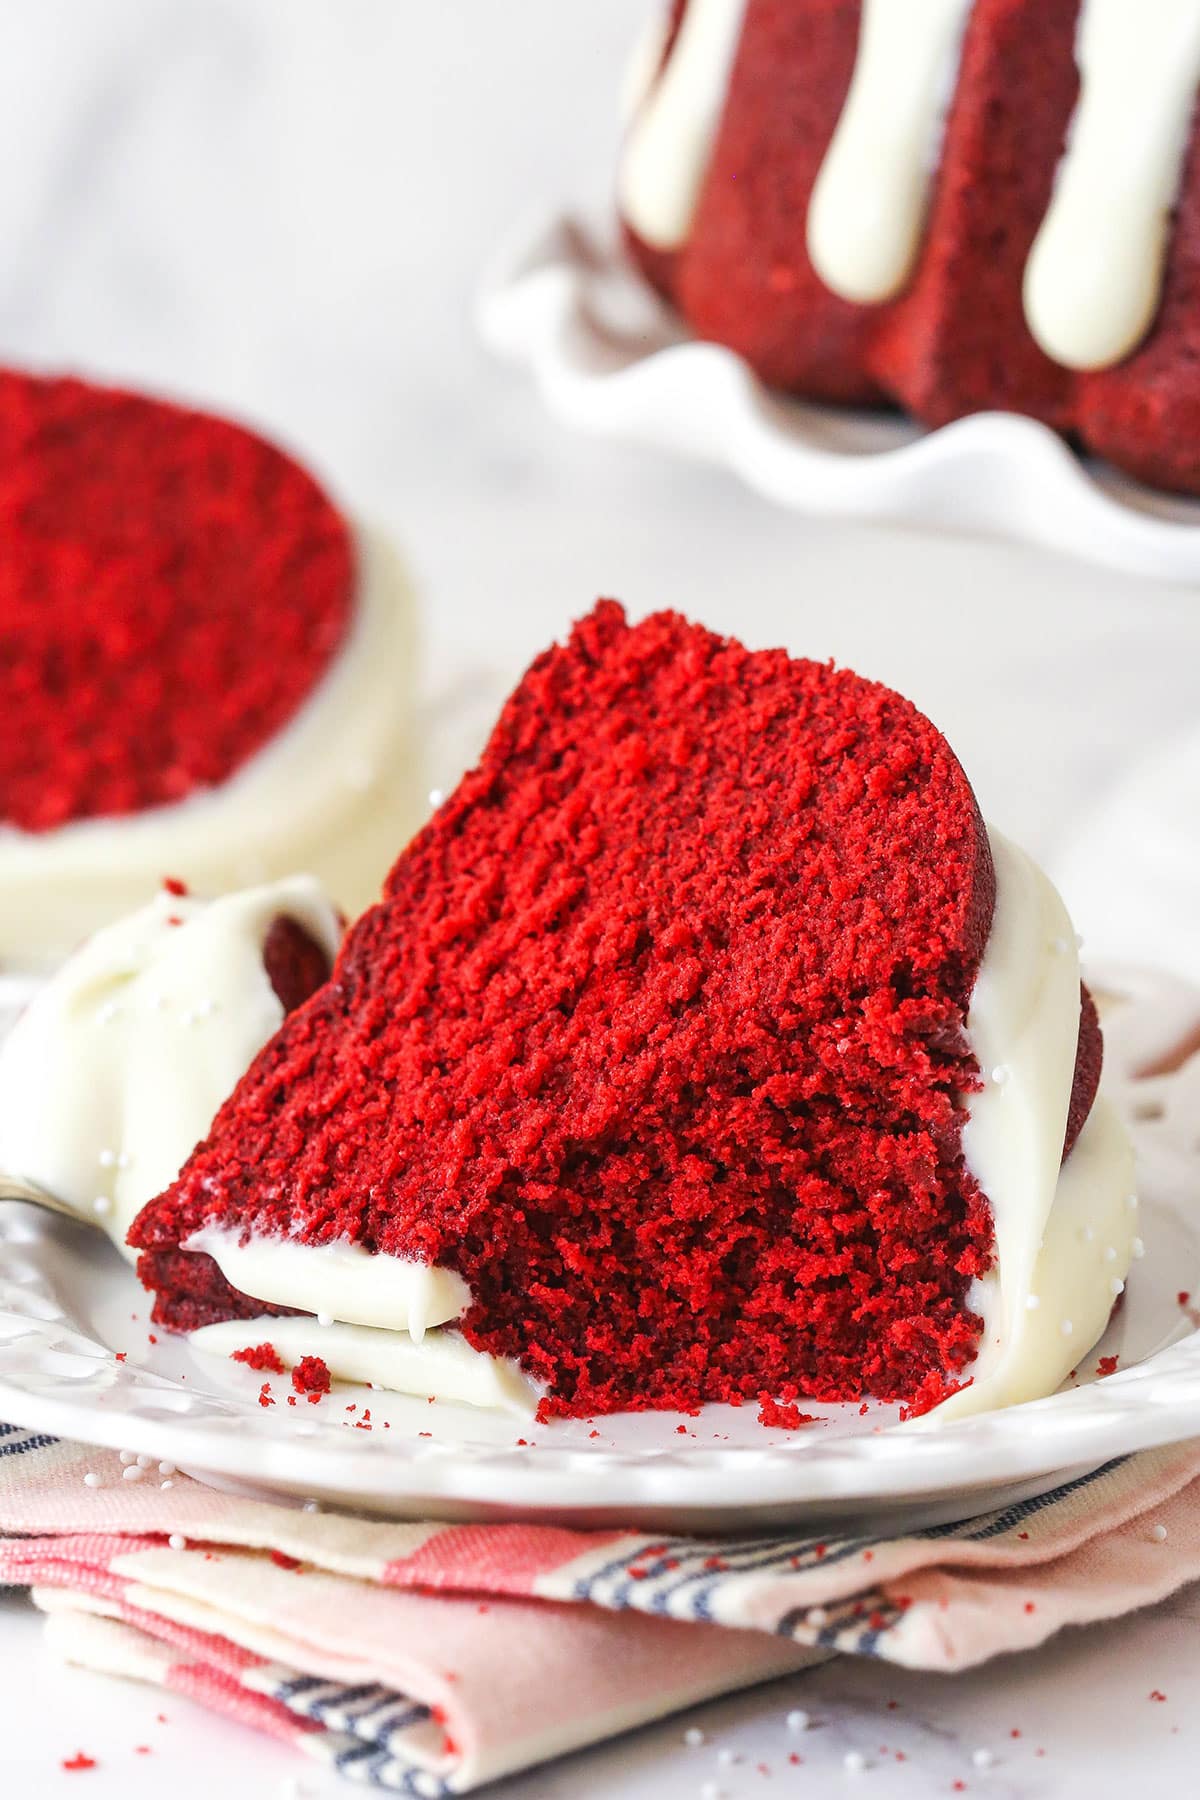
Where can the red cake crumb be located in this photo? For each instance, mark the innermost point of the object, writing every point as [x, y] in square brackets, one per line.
[173, 885]
[784, 1414]
[1107, 1365]
[657, 1039]
[79, 1761]
[310, 1376]
[263, 1357]
[265, 1396]
[283, 1561]
[172, 589]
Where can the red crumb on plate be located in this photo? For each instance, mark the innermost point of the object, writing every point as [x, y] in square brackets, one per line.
[311, 1376]
[784, 1414]
[263, 1357]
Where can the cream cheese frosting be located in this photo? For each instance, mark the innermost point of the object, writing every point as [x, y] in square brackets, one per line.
[332, 794]
[338, 1280]
[114, 1071]
[1094, 275]
[670, 140]
[443, 1366]
[1064, 1231]
[868, 204]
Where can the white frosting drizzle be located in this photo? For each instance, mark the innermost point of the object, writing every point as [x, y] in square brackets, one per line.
[443, 1364]
[114, 1071]
[333, 794]
[1093, 280]
[340, 1279]
[869, 201]
[670, 143]
[1050, 1295]
[1094, 276]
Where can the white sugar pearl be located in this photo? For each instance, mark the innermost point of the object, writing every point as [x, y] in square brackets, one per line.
[127, 1456]
[1139, 1249]
[1032, 1303]
[710, 1791]
[166, 1468]
[1060, 945]
[728, 1758]
[177, 1541]
[1159, 1534]
[797, 1719]
[91, 1479]
[1001, 1073]
[1118, 1287]
[1088, 1235]
[144, 1462]
[164, 1485]
[854, 1762]
[436, 797]
[131, 1473]
[108, 1159]
[1067, 1327]
[1131, 1201]
[324, 1318]
[123, 1159]
[102, 1206]
[1110, 1255]
[311, 1506]
[983, 1759]
[693, 1737]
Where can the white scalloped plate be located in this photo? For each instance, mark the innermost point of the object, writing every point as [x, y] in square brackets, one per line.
[69, 1307]
[609, 359]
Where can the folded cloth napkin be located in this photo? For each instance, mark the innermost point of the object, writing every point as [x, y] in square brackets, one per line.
[430, 1658]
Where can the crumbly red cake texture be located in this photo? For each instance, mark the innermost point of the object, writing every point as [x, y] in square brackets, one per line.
[311, 1376]
[657, 1037]
[956, 340]
[172, 588]
[263, 1357]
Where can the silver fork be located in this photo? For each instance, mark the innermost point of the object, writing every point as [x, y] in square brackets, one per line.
[13, 1189]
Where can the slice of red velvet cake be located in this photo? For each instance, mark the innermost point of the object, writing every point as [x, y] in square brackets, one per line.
[187, 623]
[659, 1041]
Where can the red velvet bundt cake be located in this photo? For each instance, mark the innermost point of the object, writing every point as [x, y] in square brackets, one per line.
[185, 626]
[705, 1045]
[952, 205]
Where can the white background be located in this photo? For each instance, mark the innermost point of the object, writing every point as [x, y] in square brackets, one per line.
[282, 208]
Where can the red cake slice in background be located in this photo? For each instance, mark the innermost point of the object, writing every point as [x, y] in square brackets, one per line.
[657, 1039]
[181, 607]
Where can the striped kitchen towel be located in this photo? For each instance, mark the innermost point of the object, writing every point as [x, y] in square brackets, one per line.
[430, 1658]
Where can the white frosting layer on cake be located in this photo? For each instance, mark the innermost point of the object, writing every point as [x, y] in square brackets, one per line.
[1094, 276]
[868, 205]
[113, 1073]
[443, 1365]
[670, 141]
[338, 1280]
[333, 794]
[1064, 1231]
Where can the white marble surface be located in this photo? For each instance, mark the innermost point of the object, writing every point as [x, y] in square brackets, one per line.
[281, 207]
